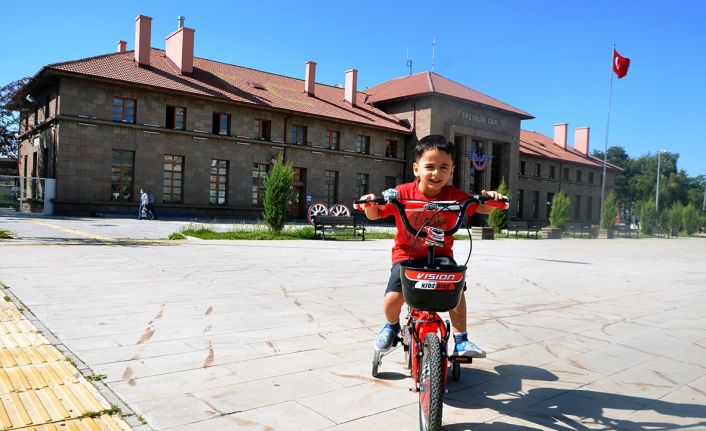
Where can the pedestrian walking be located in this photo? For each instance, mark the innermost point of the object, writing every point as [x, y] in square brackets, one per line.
[150, 205]
[144, 199]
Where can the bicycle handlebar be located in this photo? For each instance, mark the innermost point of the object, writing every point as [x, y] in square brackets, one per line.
[466, 207]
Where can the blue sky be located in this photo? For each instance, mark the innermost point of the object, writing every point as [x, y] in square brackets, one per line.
[549, 58]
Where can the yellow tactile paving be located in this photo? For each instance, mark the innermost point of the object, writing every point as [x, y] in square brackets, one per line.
[40, 390]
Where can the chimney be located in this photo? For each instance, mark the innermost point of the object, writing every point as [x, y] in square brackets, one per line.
[560, 134]
[310, 80]
[180, 48]
[581, 136]
[122, 46]
[143, 30]
[351, 92]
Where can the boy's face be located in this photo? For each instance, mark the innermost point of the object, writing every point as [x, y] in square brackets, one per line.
[434, 168]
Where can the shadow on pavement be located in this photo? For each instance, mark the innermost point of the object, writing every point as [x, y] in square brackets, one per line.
[91, 241]
[561, 409]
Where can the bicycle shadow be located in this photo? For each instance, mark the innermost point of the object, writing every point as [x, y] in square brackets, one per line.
[558, 409]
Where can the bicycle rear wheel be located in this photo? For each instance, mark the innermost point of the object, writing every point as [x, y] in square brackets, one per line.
[431, 385]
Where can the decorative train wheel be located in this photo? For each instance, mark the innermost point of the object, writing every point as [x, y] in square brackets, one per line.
[339, 210]
[316, 209]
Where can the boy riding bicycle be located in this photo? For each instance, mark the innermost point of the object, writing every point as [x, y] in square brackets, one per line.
[433, 168]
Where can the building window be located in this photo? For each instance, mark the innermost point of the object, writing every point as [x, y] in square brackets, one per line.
[122, 173]
[331, 191]
[577, 207]
[299, 134]
[565, 176]
[176, 117]
[391, 149]
[535, 204]
[36, 114]
[361, 184]
[590, 178]
[172, 187]
[46, 109]
[589, 208]
[552, 172]
[334, 139]
[520, 202]
[579, 176]
[522, 167]
[390, 182]
[124, 109]
[263, 129]
[537, 169]
[259, 172]
[218, 191]
[363, 144]
[221, 124]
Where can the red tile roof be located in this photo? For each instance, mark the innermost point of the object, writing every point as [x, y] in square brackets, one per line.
[428, 83]
[538, 145]
[231, 83]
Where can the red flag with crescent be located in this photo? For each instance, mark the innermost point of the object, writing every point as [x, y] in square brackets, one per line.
[620, 64]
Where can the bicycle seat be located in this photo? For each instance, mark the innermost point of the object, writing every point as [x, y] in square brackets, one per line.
[432, 288]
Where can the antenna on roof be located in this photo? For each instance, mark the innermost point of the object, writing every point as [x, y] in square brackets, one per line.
[433, 53]
[409, 62]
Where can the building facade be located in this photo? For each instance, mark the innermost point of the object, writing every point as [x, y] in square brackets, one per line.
[202, 135]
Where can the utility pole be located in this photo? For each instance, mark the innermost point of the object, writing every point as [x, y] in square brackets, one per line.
[703, 205]
[659, 156]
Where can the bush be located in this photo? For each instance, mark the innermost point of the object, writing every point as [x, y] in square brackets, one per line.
[648, 215]
[278, 189]
[673, 218]
[560, 210]
[610, 209]
[691, 219]
[498, 219]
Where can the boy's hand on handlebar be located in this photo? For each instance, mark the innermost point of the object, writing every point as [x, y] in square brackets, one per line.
[368, 197]
[494, 195]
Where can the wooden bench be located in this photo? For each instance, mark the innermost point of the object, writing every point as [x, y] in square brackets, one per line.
[579, 230]
[522, 227]
[660, 232]
[322, 224]
[624, 231]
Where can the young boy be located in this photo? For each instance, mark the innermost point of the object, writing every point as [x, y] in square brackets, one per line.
[433, 168]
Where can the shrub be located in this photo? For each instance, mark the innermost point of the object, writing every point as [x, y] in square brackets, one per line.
[691, 219]
[673, 218]
[278, 189]
[498, 219]
[610, 209]
[648, 215]
[560, 210]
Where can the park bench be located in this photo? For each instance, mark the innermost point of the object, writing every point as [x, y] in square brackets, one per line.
[579, 230]
[624, 231]
[521, 227]
[660, 232]
[333, 224]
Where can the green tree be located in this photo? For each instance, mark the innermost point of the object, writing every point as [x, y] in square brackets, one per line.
[674, 217]
[498, 219]
[278, 189]
[610, 209]
[691, 219]
[648, 215]
[11, 96]
[560, 210]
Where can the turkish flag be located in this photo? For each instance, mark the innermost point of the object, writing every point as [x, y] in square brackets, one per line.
[620, 64]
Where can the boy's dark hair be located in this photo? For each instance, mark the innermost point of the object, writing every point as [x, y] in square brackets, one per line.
[435, 141]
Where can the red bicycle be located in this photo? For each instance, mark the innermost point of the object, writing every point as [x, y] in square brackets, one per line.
[430, 287]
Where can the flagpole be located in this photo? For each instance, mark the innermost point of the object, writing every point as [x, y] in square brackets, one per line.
[607, 128]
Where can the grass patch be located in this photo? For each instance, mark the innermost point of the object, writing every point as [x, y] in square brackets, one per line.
[305, 232]
[94, 414]
[96, 377]
[5, 234]
[176, 236]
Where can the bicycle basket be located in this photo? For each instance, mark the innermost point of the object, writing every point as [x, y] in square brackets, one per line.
[437, 288]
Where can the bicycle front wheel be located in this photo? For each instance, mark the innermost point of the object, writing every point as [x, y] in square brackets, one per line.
[431, 386]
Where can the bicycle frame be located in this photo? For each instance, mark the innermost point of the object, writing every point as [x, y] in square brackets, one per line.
[423, 323]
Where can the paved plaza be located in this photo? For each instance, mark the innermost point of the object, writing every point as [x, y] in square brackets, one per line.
[277, 335]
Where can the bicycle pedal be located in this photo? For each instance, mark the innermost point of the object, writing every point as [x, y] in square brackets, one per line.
[461, 359]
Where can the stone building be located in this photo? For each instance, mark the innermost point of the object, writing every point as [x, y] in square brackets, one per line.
[201, 134]
[549, 166]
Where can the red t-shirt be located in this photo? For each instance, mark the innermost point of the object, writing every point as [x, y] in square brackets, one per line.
[403, 239]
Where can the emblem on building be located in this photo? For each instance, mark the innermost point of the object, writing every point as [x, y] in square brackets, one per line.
[478, 161]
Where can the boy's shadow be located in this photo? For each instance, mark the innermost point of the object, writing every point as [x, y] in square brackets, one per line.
[555, 408]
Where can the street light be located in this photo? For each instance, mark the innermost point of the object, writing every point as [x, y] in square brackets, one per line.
[659, 156]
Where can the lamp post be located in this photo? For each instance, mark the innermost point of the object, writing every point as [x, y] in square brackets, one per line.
[659, 156]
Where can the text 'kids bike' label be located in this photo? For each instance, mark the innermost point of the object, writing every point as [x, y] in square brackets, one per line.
[433, 285]
[434, 280]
